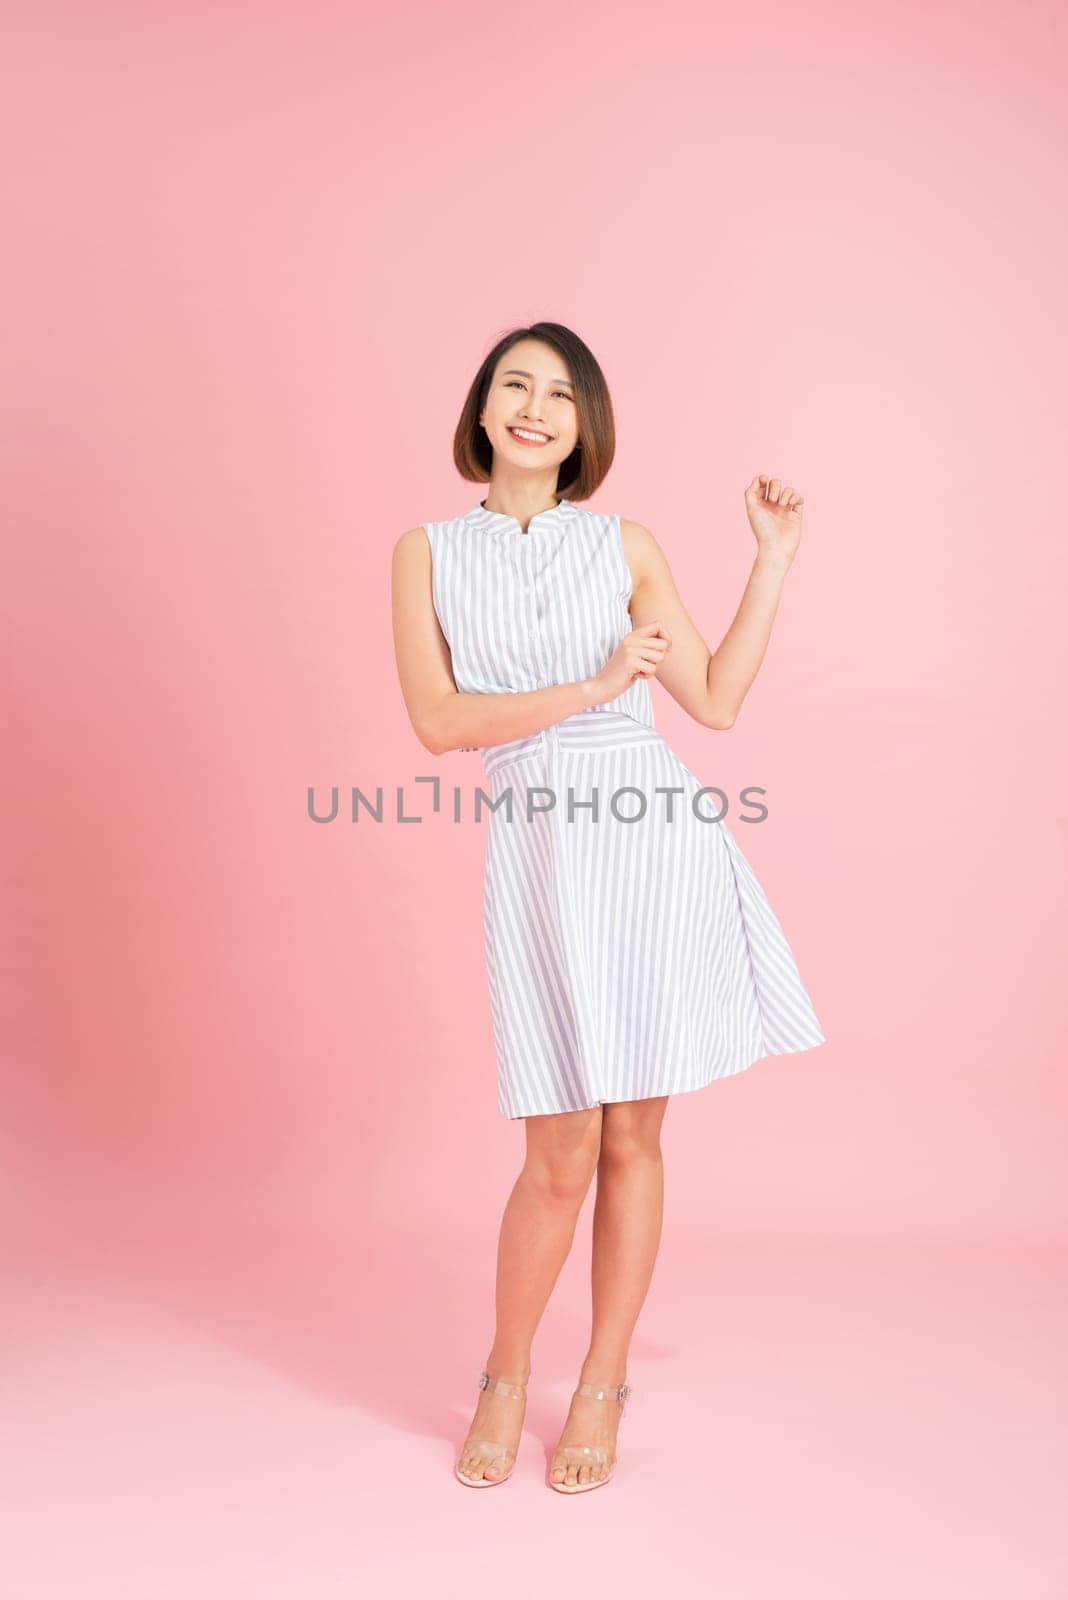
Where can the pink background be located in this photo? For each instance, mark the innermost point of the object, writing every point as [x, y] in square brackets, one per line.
[253, 1162]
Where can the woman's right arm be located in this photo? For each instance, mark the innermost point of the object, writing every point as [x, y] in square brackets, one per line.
[443, 718]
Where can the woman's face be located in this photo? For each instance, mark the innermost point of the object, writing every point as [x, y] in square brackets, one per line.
[531, 393]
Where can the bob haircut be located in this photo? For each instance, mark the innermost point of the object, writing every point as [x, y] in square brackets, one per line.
[587, 466]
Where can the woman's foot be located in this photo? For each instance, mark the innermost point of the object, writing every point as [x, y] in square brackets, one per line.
[593, 1424]
[498, 1417]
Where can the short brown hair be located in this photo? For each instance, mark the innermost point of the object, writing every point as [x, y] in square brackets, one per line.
[584, 469]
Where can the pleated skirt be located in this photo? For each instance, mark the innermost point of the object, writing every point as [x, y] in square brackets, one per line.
[630, 949]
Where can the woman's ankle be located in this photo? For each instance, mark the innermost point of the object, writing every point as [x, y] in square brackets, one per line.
[608, 1373]
[508, 1368]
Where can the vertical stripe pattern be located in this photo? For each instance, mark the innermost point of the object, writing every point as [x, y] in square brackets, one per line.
[624, 958]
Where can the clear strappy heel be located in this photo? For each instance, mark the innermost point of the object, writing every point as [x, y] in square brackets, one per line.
[589, 1455]
[487, 1449]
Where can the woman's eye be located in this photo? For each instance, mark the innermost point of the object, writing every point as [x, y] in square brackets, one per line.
[514, 383]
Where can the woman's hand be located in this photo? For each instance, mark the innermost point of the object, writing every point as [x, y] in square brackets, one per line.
[637, 656]
[775, 517]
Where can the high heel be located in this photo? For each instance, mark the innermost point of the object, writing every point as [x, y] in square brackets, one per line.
[487, 1449]
[590, 1455]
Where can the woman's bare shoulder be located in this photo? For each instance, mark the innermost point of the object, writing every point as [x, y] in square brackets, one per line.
[412, 542]
[636, 532]
[639, 547]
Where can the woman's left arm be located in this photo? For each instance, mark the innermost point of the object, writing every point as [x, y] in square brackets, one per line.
[711, 685]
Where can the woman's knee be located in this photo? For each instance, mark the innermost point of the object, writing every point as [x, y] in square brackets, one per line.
[631, 1130]
[562, 1152]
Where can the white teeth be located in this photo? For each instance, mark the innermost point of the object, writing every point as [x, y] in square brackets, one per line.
[524, 433]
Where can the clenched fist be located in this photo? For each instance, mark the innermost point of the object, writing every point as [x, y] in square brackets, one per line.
[638, 656]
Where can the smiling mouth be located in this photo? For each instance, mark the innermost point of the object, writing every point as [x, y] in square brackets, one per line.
[529, 436]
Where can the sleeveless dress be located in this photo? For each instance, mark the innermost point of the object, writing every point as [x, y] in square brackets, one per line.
[630, 950]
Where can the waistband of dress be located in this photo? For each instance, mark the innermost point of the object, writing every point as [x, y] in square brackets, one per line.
[584, 730]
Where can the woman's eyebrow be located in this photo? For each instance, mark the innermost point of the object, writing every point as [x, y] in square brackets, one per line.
[520, 373]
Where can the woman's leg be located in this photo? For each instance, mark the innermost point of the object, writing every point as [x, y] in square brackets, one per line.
[627, 1222]
[537, 1230]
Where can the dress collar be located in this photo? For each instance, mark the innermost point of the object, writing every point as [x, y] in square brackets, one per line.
[498, 522]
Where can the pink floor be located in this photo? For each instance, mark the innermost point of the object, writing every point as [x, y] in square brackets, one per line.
[214, 1410]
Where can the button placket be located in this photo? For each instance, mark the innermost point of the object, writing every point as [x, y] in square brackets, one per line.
[550, 737]
[530, 593]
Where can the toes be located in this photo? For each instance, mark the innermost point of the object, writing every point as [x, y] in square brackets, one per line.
[572, 1473]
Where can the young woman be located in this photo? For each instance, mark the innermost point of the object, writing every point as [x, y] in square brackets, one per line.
[630, 950]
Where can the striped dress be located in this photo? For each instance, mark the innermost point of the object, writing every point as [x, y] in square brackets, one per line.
[630, 950]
